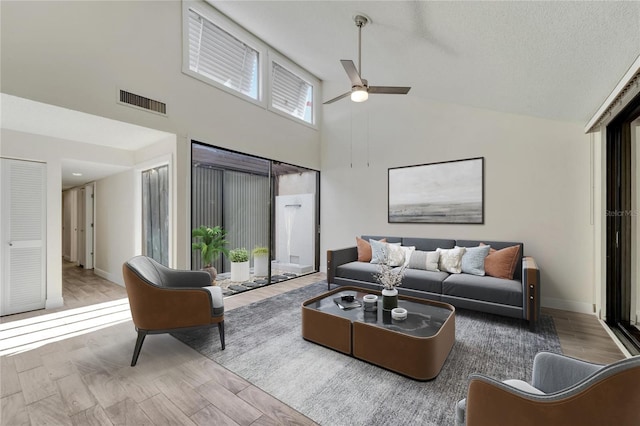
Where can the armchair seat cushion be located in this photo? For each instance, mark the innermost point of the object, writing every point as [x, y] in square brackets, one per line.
[523, 386]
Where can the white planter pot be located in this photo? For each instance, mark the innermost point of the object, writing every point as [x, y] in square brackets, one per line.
[240, 271]
[260, 266]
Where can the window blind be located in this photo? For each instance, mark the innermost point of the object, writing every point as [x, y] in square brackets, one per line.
[290, 93]
[216, 54]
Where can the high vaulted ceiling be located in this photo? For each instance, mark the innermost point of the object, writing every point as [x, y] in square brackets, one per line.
[556, 60]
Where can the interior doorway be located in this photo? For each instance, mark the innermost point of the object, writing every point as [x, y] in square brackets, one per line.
[78, 225]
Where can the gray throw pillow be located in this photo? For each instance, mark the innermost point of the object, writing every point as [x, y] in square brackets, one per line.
[425, 260]
[473, 260]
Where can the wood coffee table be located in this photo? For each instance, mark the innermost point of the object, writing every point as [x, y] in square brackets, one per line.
[416, 347]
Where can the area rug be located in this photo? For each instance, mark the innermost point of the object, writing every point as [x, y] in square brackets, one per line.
[264, 346]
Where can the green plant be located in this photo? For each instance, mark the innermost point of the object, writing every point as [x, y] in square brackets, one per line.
[260, 251]
[210, 242]
[239, 255]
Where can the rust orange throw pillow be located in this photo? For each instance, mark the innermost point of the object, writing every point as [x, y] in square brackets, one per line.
[364, 249]
[501, 263]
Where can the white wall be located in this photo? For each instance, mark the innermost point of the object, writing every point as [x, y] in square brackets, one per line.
[116, 221]
[537, 185]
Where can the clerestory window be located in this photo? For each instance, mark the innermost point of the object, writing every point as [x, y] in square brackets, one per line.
[219, 56]
[290, 93]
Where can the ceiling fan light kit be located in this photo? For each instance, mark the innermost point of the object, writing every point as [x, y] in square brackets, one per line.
[359, 94]
[360, 88]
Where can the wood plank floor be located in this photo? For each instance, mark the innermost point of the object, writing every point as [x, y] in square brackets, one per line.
[73, 368]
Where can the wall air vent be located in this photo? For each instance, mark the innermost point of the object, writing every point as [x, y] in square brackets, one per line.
[142, 102]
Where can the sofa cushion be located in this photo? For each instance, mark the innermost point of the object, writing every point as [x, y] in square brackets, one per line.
[360, 271]
[378, 238]
[488, 289]
[451, 260]
[429, 281]
[428, 244]
[473, 260]
[502, 263]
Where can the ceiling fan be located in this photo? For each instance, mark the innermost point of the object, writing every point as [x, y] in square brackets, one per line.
[360, 88]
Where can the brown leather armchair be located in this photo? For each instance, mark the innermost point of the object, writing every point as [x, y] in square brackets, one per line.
[164, 300]
[563, 391]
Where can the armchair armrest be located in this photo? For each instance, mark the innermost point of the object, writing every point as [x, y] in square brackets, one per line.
[531, 290]
[553, 372]
[339, 257]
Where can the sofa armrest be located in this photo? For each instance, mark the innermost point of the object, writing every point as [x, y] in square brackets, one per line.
[339, 257]
[531, 290]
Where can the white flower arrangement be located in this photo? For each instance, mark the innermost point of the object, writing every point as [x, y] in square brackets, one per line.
[388, 276]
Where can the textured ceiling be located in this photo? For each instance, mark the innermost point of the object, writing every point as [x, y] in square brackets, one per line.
[557, 60]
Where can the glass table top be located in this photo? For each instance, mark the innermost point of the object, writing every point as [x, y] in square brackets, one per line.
[423, 319]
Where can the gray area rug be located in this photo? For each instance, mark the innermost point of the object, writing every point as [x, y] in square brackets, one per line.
[264, 346]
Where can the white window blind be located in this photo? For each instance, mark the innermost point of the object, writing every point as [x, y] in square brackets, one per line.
[290, 93]
[218, 55]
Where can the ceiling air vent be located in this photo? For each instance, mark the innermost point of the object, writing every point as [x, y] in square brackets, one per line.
[142, 102]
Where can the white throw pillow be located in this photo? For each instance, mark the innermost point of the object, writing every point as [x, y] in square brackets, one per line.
[407, 254]
[395, 255]
[451, 260]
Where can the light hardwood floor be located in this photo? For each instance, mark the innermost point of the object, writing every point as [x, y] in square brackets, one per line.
[73, 368]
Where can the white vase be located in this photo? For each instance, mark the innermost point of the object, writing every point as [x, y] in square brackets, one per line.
[260, 266]
[389, 299]
[240, 271]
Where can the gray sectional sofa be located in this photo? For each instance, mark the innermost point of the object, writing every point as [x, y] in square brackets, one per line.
[517, 298]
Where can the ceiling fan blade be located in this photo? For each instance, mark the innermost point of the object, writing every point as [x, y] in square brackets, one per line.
[344, 95]
[352, 72]
[389, 90]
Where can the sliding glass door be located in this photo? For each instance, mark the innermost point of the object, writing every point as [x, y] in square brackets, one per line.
[267, 208]
[622, 226]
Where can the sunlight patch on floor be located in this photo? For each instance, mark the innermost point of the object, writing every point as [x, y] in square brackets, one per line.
[26, 334]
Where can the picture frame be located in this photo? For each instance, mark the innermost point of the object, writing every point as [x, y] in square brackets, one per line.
[443, 192]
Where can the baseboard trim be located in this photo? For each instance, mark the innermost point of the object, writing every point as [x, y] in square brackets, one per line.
[567, 305]
[116, 279]
[52, 303]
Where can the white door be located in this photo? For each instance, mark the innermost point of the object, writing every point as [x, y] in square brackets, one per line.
[81, 228]
[22, 236]
[88, 226]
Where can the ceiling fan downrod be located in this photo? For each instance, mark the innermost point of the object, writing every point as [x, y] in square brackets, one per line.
[360, 21]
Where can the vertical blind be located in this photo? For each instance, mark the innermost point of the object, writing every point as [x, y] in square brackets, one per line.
[216, 54]
[290, 93]
[206, 205]
[155, 214]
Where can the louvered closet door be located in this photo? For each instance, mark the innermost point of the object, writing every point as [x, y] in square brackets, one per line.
[23, 214]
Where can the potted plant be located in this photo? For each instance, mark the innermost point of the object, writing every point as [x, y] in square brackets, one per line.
[210, 242]
[239, 264]
[260, 261]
